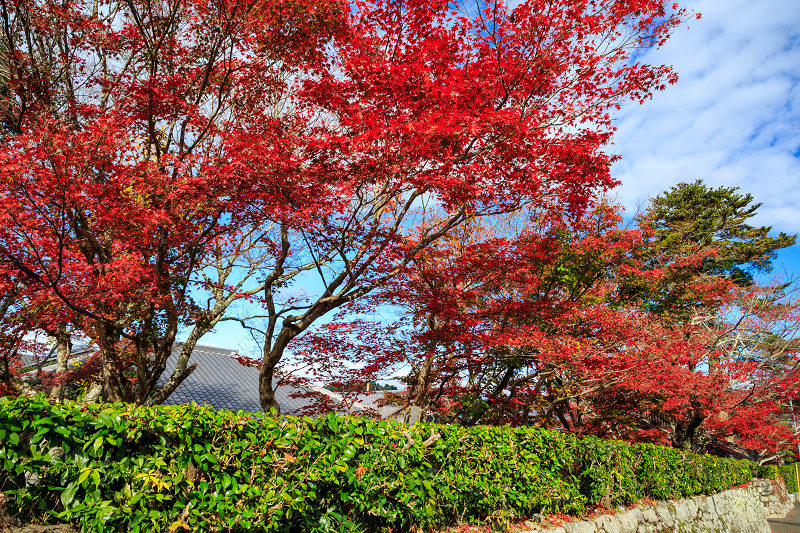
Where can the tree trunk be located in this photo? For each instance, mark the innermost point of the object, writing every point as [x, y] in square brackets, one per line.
[421, 386]
[273, 352]
[14, 384]
[685, 434]
[63, 349]
[179, 373]
[113, 378]
[266, 393]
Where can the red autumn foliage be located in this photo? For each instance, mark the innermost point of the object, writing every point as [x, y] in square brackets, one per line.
[426, 115]
[158, 157]
[541, 327]
[122, 149]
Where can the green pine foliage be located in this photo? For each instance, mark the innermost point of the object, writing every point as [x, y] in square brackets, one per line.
[125, 468]
[694, 215]
[699, 235]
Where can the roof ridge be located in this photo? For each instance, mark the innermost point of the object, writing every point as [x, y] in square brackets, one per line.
[208, 348]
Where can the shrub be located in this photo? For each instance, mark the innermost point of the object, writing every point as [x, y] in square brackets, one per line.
[127, 468]
[787, 472]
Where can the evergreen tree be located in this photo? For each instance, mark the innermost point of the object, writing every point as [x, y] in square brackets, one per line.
[694, 215]
[700, 237]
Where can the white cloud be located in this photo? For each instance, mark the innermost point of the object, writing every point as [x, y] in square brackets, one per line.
[732, 119]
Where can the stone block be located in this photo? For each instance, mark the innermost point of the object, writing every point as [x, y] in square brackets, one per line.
[683, 512]
[664, 515]
[742, 510]
[581, 527]
[649, 514]
[628, 521]
[606, 524]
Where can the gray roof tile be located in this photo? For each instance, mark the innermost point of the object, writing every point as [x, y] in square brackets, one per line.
[221, 381]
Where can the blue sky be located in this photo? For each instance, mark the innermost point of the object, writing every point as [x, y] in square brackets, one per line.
[732, 119]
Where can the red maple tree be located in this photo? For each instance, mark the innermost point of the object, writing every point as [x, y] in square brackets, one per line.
[432, 114]
[164, 159]
[551, 323]
[122, 139]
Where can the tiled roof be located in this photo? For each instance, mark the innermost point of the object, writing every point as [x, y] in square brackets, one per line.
[372, 400]
[221, 381]
[28, 359]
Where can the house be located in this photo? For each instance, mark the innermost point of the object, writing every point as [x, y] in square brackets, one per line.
[222, 381]
[28, 360]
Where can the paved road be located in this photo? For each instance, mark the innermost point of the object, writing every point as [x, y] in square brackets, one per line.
[790, 524]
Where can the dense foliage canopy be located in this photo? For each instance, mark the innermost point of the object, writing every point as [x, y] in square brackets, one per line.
[165, 162]
[594, 327]
[162, 160]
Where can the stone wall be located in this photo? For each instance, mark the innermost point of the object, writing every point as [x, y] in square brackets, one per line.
[774, 497]
[741, 510]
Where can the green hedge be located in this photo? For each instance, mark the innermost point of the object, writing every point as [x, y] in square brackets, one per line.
[125, 468]
[787, 472]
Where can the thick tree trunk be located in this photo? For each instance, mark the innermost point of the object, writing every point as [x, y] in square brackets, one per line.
[266, 393]
[421, 387]
[685, 434]
[273, 352]
[63, 349]
[5, 369]
[113, 379]
[9, 381]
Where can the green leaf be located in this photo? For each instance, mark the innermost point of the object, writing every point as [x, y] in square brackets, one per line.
[210, 458]
[68, 495]
[107, 418]
[333, 424]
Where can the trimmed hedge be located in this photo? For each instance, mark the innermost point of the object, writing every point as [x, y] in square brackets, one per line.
[787, 472]
[127, 468]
